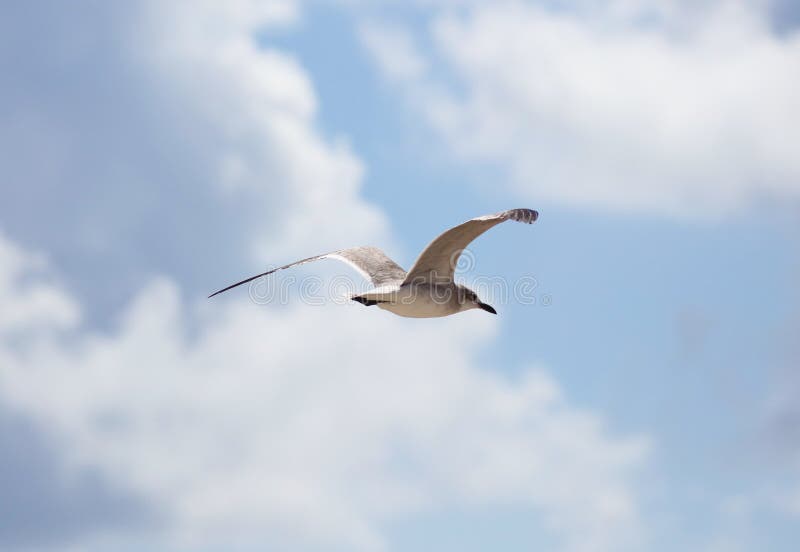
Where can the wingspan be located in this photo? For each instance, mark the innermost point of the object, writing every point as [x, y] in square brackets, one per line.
[371, 262]
[437, 263]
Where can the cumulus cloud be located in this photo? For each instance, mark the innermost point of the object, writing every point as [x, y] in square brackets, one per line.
[47, 503]
[30, 305]
[160, 137]
[245, 424]
[174, 142]
[634, 106]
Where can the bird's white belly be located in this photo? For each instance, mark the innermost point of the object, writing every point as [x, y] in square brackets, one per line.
[418, 301]
[419, 308]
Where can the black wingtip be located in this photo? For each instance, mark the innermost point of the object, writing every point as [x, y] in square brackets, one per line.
[528, 216]
[240, 283]
[220, 291]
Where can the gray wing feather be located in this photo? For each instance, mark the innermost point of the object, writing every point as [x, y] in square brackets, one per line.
[437, 263]
[371, 262]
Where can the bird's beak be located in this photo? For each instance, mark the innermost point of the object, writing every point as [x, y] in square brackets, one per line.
[487, 308]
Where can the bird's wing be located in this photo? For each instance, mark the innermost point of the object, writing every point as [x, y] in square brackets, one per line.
[369, 261]
[438, 261]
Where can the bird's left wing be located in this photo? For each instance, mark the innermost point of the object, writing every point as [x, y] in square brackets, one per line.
[437, 263]
[371, 262]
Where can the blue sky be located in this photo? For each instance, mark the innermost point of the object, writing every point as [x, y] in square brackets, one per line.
[152, 153]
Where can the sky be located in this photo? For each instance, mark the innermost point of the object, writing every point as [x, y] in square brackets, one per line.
[638, 390]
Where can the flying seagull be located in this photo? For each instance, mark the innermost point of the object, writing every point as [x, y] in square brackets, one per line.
[428, 290]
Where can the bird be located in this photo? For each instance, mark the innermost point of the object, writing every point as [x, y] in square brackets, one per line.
[428, 289]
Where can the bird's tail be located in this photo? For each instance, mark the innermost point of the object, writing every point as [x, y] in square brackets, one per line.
[364, 301]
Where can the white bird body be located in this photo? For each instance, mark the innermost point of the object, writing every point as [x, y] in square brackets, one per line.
[428, 290]
[421, 301]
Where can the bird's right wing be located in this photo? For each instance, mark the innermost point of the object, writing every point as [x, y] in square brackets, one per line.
[438, 261]
[371, 262]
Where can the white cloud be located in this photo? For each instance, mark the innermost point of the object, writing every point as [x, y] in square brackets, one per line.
[191, 142]
[26, 305]
[261, 108]
[248, 423]
[245, 422]
[661, 107]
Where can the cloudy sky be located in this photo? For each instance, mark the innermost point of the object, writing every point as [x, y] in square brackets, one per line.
[639, 389]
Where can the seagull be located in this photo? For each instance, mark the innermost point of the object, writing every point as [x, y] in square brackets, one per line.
[428, 290]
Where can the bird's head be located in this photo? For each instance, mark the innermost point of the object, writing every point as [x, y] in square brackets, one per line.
[468, 299]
